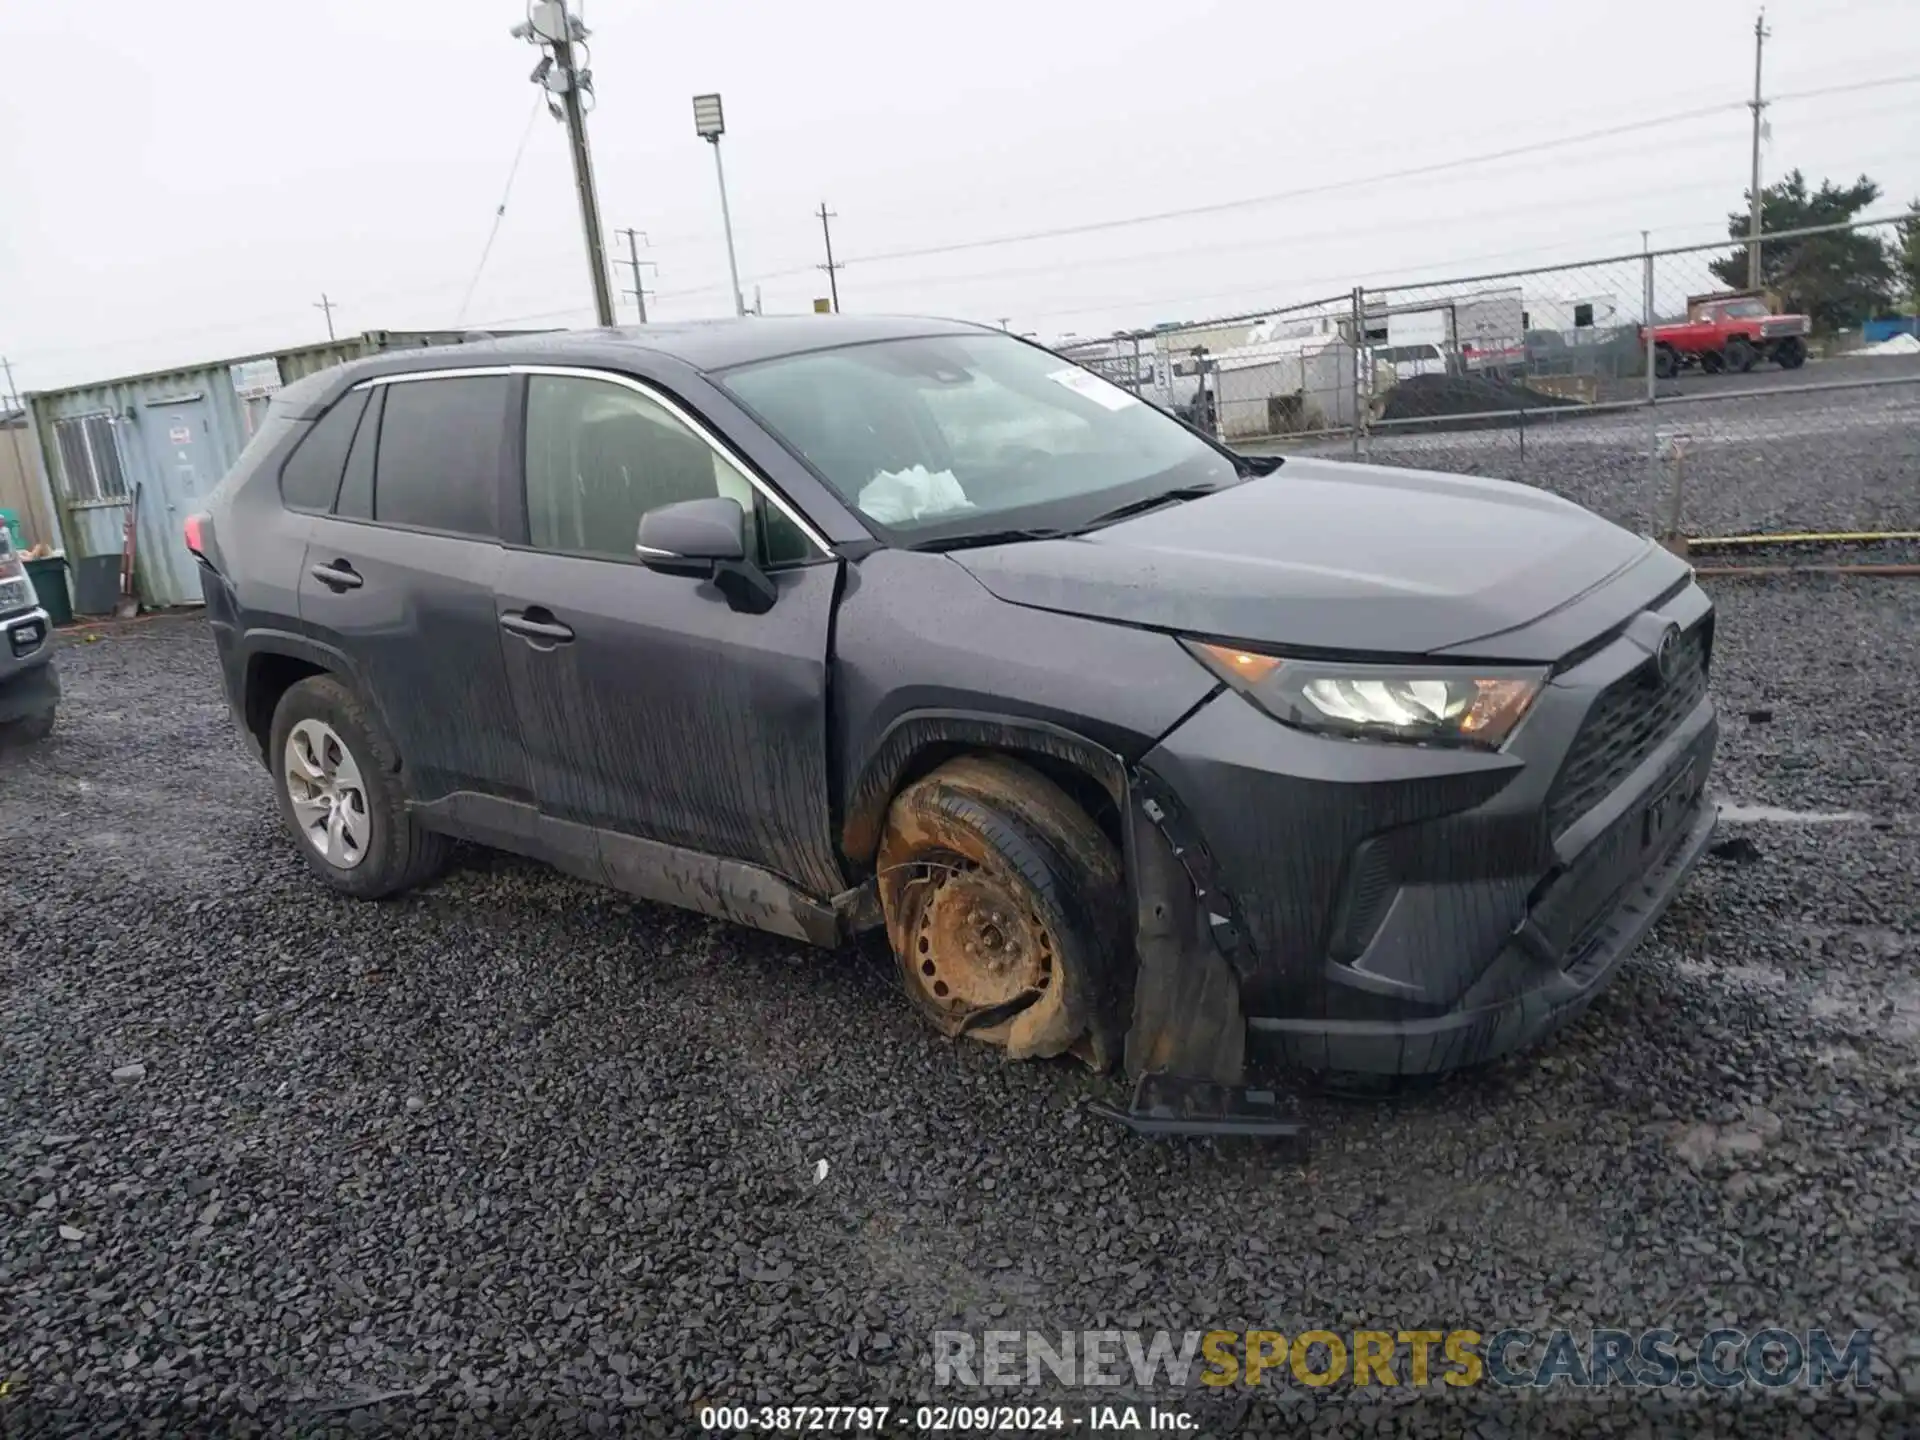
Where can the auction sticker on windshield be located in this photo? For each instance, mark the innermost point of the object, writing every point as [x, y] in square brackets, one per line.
[1101, 392]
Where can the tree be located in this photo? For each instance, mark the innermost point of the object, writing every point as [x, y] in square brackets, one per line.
[1838, 279]
[1907, 259]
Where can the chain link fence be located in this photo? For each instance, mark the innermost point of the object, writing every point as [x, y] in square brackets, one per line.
[1658, 388]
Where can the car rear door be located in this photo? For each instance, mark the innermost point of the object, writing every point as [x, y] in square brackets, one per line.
[399, 577]
[651, 706]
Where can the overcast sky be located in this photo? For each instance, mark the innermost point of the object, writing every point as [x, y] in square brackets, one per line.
[181, 183]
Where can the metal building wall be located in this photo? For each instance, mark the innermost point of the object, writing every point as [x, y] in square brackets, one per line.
[177, 433]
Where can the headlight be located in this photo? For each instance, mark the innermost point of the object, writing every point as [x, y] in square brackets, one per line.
[16, 591]
[1417, 704]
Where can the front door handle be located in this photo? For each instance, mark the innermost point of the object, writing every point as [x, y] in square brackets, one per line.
[536, 625]
[337, 576]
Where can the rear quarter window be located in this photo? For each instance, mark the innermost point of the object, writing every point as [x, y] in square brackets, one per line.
[310, 479]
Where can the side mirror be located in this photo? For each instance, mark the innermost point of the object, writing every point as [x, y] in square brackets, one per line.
[689, 536]
[706, 539]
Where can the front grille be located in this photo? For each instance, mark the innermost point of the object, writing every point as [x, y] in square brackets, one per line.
[1625, 725]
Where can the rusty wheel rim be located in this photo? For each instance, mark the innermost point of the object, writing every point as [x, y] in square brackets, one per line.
[976, 943]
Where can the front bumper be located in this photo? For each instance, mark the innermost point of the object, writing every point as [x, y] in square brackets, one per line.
[1547, 990]
[1400, 910]
[28, 684]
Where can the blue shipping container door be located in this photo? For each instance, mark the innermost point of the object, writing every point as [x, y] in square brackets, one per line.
[183, 468]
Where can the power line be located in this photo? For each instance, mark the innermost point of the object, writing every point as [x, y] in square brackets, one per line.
[1845, 89]
[1220, 207]
[500, 211]
[1665, 146]
[797, 270]
[1428, 223]
[1356, 182]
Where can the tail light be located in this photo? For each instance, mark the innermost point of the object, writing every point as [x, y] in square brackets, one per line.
[195, 529]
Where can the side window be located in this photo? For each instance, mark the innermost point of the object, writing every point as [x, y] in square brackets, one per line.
[781, 541]
[356, 490]
[438, 465]
[311, 477]
[599, 456]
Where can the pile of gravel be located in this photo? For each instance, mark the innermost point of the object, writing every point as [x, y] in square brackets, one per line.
[517, 1155]
[1437, 397]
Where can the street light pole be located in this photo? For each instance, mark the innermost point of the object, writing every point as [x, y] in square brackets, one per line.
[710, 124]
[548, 24]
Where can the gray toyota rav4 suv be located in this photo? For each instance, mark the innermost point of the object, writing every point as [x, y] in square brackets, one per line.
[1134, 746]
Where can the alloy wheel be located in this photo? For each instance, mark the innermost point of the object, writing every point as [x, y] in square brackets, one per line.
[329, 798]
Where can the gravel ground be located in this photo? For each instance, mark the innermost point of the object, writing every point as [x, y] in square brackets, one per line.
[513, 1155]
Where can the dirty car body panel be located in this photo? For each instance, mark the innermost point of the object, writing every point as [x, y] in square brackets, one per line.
[731, 739]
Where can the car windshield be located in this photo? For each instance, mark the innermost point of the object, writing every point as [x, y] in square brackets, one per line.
[943, 436]
[1744, 309]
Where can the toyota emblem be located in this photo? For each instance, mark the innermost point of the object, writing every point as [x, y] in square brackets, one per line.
[1666, 659]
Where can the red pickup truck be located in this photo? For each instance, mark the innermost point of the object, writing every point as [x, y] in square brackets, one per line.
[1729, 334]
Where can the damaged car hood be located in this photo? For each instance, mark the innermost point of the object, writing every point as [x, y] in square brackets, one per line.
[1328, 555]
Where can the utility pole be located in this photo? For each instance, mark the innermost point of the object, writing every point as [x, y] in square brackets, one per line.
[833, 279]
[639, 291]
[1760, 33]
[323, 303]
[549, 25]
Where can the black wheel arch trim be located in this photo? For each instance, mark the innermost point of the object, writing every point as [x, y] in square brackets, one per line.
[254, 644]
[910, 737]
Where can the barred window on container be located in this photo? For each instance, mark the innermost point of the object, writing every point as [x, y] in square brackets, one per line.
[90, 458]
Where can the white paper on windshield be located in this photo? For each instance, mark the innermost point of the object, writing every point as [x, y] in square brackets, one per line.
[894, 496]
[1092, 387]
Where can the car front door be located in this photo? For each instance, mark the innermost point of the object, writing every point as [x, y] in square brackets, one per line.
[399, 577]
[652, 707]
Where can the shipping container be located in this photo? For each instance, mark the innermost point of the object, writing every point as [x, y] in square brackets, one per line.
[165, 437]
[23, 506]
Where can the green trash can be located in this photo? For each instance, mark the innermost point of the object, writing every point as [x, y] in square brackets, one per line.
[49, 576]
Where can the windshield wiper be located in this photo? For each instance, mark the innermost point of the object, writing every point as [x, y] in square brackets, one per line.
[1151, 502]
[989, 537]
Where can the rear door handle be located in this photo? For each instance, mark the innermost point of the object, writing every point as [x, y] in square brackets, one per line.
[337, 576]
[536, 625]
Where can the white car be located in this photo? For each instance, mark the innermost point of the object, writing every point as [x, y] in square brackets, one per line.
[1408, 361]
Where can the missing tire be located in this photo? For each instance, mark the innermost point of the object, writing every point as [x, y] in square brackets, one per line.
[1001, 898]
